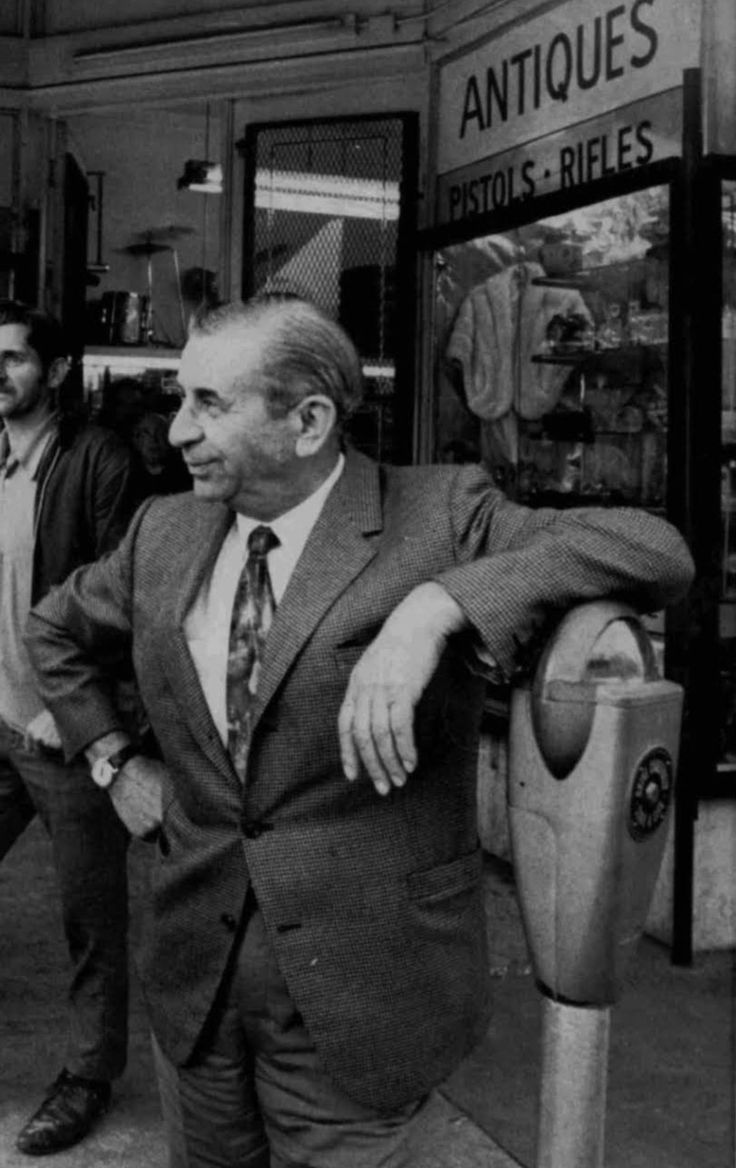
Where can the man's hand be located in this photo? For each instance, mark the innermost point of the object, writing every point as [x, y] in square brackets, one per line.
[376, 720]
[136, 793]
[42, 732]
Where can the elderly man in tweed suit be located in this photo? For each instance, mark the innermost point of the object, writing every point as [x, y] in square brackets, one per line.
[315, 960]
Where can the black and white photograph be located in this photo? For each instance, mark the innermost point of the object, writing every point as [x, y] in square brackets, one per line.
[368, 583]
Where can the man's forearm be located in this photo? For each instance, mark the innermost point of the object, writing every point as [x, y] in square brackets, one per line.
[431, 605]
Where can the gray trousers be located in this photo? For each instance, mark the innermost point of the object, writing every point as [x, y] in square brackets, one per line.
[89, 846]
[255, 1096]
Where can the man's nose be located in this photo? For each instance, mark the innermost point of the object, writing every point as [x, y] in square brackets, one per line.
[183, 429]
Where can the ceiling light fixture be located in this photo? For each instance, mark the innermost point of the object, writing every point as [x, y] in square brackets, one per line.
[200, 175]
[324, 194]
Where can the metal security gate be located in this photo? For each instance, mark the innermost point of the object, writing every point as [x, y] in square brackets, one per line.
[329, 214]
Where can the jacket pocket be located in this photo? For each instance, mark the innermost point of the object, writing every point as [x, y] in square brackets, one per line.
[445, 880]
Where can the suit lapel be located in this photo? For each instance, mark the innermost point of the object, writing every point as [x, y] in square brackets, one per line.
[201, 543]
[337, 550]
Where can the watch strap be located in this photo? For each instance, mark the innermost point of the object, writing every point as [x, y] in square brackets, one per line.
[118, 760]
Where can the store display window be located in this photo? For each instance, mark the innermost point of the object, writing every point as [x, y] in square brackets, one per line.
[551, 354]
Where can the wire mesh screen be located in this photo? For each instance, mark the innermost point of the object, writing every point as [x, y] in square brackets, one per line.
[325, 224]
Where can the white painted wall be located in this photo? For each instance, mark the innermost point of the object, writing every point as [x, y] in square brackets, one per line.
[143, 149]
[142, 154]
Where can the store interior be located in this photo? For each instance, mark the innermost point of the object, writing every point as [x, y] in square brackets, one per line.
[322, 211]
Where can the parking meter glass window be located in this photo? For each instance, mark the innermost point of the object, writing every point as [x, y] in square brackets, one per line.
[622, 652]
[551, 354]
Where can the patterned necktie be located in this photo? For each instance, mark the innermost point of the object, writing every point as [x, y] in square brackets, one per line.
[253, 610]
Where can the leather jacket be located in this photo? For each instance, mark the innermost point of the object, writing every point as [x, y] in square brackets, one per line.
[87, 490]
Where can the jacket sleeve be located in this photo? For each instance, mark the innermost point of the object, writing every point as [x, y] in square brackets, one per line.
[517, 568]
[74, 634]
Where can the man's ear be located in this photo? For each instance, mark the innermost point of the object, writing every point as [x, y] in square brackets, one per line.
[58, 370]
[315, 418]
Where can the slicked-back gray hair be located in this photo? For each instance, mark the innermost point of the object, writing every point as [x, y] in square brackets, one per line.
[304, 352]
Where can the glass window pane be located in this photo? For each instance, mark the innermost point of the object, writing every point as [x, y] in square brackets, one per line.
[325, 225]
[551, 354]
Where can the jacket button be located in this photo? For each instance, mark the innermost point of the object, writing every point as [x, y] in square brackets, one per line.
[229, 921]
[252, 828]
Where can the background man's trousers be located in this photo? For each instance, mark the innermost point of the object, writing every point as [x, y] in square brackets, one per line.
[90, 855]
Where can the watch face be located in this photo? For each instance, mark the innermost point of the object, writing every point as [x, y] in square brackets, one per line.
[102, 772]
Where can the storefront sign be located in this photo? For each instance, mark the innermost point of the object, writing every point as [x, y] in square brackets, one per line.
[577, 61]
[598, 148]
[587, 90]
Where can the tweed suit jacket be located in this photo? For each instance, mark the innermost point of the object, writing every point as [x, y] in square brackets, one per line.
[373, 904]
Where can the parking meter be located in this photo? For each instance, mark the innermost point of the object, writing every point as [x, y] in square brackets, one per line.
[592, 758]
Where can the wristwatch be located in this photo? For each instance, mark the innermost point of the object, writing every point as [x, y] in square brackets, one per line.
[106, 770]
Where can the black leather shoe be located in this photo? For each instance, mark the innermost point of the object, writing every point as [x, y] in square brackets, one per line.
[66, 1115]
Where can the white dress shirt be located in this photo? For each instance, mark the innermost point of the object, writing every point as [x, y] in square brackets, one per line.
[19, 466]
[207, 624]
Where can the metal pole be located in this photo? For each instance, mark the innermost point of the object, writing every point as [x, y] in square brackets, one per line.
[182, 313]
[572, 1102]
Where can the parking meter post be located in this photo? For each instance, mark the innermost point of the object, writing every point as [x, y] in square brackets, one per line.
[593, 750]
[574, 1077]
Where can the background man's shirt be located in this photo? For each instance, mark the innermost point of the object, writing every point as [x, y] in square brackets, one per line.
[19, 701]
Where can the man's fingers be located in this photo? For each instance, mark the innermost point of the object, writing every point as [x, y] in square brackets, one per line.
[383, 739]
[375, 729]
[348, 753]
[363, 738]
[402, 728]
[136, 795]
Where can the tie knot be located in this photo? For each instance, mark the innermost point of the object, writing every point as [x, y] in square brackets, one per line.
[261, 541]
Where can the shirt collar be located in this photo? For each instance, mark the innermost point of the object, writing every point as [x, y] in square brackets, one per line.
[297, 523]
[27, 449]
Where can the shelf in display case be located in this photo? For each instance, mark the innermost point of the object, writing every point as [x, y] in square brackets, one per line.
[596, 278]
[567, 358]
[576, 282]
[131, 358]
[635, 352]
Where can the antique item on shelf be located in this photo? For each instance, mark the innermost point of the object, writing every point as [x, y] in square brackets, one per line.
[561, 259]
[645, 326]
[610, 334]
[124, 318]
[149, 243]
[569, 333]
